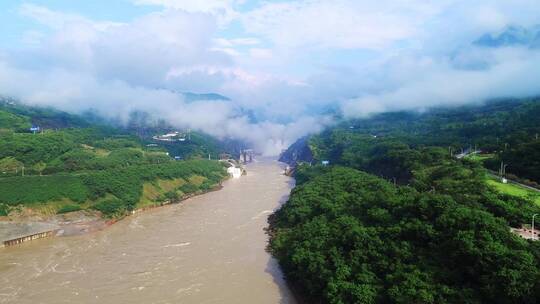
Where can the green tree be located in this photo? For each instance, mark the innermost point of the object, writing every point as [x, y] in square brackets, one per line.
[10, 165]
[39, 167]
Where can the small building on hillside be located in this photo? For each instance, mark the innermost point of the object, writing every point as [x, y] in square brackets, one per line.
[35, 129]
[526, 233]
[171, 137]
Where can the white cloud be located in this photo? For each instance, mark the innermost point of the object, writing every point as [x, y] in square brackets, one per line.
[191, 5]
[258, 53]
[58, 20]
[289, 63]
[144, 51]
[120, 68]
[336, 24]
[224, 9]
[511, 74]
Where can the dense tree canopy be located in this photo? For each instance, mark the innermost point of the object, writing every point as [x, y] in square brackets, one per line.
[396, 218]
[349, 237]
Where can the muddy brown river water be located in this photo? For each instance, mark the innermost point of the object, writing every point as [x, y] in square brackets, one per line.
[208, 249]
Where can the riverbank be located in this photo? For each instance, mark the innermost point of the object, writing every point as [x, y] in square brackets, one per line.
[26, 225]
[301, 296]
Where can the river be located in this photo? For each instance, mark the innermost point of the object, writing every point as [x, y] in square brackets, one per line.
[208, 249]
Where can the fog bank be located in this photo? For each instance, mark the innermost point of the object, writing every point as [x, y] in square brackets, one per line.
[287, 67]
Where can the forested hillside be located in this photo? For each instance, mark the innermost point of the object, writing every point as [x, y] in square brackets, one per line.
[396, 217]
[505, 130]
[67, 163]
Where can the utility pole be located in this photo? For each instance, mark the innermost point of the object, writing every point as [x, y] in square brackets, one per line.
[22, 170]
[532, 227]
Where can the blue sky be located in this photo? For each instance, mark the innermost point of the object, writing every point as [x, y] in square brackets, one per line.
[14, 24]
[283, 60]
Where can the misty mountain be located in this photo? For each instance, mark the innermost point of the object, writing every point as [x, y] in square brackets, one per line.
[511, 36]
[193, 97]
[16, 115]
[487, 126]
[190, 97]
[252, 116]
[240, 111]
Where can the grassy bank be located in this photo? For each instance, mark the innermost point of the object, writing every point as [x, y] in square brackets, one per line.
[515, 190]
[113, 192]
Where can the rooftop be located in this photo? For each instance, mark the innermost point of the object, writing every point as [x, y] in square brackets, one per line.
[11, 230]
[526, 233]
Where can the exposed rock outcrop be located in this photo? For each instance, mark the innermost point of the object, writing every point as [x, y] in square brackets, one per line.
[297, 153]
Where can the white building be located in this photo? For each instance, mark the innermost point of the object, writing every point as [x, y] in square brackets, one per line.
[234, 172]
